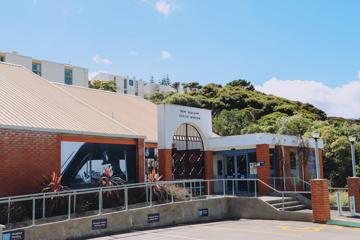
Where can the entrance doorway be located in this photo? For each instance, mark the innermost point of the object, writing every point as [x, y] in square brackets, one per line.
[239, 166]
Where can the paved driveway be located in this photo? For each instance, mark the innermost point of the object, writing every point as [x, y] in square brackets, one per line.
[245, 229]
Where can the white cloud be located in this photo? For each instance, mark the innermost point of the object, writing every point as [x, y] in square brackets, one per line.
[92, 74]
[342, 101]
[165, 55]
[165, 7]
[100, 60]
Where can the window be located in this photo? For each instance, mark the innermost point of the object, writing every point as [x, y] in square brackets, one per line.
[36, 68]
[68, 76]
[2, 59]
[272, 162]
[131, 82]
[125, 83]
[294, 164]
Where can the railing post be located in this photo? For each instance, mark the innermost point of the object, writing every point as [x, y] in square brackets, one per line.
[233, 187]
[43, 207]
[74, 202]
[147, 192]
[295, 183]
[172, 196]
[151, 195]
[255, 191]
[69, 206]
[126, 198]
[208, 187]
[283, 203]
[100, 200]
[33, 212]
[224, 187]
[8, 213]
[191, 191]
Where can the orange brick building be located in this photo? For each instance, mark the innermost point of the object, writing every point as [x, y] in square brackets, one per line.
[77, 132]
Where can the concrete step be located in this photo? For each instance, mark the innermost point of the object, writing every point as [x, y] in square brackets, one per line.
[280, 200]
[294, 208]
[286, 204]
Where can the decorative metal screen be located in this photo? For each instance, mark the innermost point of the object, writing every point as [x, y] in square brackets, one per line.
[188, 153]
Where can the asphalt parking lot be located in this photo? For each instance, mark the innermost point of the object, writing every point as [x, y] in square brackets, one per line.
[245, 229]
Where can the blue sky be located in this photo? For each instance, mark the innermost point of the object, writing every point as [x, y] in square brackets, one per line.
[206, 41]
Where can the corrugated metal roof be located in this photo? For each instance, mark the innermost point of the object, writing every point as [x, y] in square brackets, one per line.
[31, 102]
[131, 111]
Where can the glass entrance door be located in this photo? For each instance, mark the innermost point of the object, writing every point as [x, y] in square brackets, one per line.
[242, 173]
[239, 166]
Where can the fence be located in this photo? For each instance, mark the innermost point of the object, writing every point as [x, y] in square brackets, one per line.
[36, 209]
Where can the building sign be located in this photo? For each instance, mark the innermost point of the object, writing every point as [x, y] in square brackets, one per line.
[14, 235]
[189, 114]
[153, 217]
[203, 212]
[99, 224]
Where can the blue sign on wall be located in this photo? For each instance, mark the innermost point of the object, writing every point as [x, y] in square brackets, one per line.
[14, 235]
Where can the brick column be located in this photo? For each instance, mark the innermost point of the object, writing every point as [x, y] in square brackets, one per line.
[165, 164]
[320, 200]
[354, 190]
[140, 160]
[209, 170]
[263, 172]
[1, 230]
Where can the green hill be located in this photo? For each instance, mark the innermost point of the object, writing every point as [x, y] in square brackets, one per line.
[238, 108]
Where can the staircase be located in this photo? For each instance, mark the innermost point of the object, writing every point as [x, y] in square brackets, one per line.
[290, 203]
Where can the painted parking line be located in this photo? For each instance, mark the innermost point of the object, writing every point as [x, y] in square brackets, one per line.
[254, 231]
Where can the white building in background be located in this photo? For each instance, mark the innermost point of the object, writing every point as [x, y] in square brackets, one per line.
[151, 88]
[52, 71]
[125, 85]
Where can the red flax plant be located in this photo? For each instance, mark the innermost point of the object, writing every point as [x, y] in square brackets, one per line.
[108, 180]
[53, 184]
[158, 191]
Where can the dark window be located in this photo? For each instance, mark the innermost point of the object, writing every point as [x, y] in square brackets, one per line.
[125, 85]
[219, 168]
[2, 59]
[36, 68]
[68, 76]
[294, 164]
[272, 162]
[131, 82]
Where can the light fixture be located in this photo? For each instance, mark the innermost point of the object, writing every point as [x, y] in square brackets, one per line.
[315, 135]
[352, 139]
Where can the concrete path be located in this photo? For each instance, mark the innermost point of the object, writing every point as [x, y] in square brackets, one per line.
[245, 229]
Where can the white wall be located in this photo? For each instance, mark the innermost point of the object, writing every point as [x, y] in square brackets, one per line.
[80, 76]
[18, 59]
[52, 71]
[170, 117]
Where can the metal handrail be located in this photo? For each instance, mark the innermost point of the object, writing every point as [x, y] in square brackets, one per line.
[191, 184]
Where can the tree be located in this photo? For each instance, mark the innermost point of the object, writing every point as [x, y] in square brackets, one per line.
[241, 83]
[152, 79]
[232, 122]
[165, 81]
[107, 85]
[176, 86]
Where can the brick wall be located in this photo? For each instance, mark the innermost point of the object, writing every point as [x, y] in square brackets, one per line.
[140, 160]
[262, 155]
[354, 190]
[320, 200]
[209, 169]
[165, 164]
[26, 157]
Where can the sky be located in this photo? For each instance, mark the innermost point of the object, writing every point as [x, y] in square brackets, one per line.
[303, 50]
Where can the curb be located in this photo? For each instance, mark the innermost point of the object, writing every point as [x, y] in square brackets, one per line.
[344, 223]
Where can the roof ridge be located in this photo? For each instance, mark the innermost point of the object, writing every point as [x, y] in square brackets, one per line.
[96, 110]
[97, 90]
